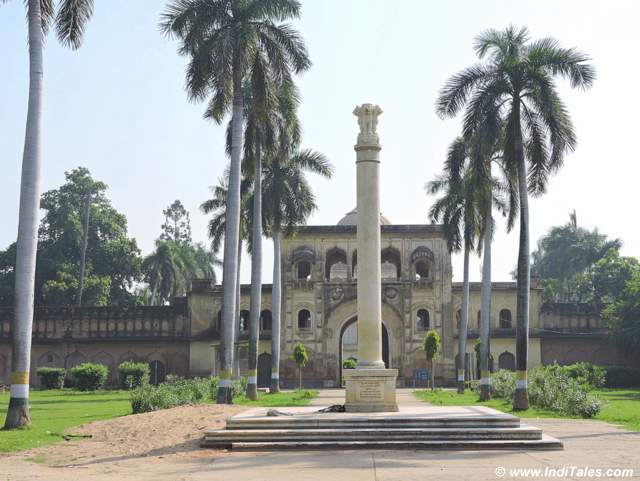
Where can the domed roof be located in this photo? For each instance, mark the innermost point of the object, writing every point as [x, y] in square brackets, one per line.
[351, 218]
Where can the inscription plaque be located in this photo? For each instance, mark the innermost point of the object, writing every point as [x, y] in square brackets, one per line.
[370, 390]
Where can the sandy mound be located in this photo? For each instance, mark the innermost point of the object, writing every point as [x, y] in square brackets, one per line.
[168, 432]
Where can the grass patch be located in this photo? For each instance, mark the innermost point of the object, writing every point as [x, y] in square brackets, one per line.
[53, 412]
[280, 399]
[620, 406]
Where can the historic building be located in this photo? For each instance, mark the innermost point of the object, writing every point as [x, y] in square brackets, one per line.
[319, 272]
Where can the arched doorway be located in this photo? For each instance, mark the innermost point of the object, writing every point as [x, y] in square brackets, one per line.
[349, 343]
[157, 372]
[264, 370]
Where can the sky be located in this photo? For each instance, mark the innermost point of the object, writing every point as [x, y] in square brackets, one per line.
[118, 107]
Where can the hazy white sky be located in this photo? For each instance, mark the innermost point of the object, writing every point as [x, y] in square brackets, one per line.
[117, 106]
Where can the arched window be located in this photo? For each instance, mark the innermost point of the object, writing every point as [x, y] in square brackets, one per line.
[458, 318]
[303, 270]
[505, 319]
[422, 319]
[390, 259]
[218, 325]
[336, 265]
[244, 320]
[506, 360]
[265, 320]
[304, 319]
[354, 265]
[422, 269]
[479, 319]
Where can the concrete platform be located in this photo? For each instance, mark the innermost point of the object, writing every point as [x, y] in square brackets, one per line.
[412, 427]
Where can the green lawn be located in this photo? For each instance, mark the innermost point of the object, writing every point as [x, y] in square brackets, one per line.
[619, 406]
[284, 398]
[52, 412]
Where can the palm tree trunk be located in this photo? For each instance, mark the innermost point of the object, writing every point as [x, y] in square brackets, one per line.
[276, 299]
[464, 323]
[154, 293]
[521, 396]
[231, 241]
[85, 242]
[299, 377]
[485, 309]
[27, 245]
[256, 279]
[238, 319]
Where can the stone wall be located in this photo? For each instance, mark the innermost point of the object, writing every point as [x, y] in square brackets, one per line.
[67, 336]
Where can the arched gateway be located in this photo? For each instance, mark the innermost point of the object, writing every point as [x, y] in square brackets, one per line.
[348, 346]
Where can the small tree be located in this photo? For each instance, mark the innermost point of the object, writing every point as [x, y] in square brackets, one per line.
[301, 357]
[431, 346]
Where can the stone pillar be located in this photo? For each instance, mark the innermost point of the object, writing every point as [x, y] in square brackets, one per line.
[370, 387]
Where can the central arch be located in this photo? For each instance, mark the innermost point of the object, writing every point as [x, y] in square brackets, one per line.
[349, 335]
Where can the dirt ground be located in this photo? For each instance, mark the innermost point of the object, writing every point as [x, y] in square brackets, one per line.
[171, 432]
[165, 446]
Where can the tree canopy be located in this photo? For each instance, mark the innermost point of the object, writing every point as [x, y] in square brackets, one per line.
[113, 260]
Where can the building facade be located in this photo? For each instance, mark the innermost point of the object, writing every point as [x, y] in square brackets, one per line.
[319, 275]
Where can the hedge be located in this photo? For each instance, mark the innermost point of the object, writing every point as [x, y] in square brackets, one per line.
[133, 374]
[89, 376]
[51, 377]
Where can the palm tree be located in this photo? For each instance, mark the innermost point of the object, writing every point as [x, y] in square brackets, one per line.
[70, 20]
[221, 37]
[288, 202]
[216, 205]
[458, 211]
[517, 82]
[165, 271]
[261, 110]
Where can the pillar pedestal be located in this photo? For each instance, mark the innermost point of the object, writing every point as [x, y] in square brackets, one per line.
[370, 390]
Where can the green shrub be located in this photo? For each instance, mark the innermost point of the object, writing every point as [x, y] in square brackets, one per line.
[349, 363]
[621, 376]
[89, 376]
[552, 388]
[585, 373]
[133, 374]
[51, 377]
[175, 391]
[503, 384]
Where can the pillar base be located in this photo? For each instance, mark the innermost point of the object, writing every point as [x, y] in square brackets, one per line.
[370, 390]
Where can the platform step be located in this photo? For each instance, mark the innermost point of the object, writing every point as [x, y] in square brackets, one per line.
[339, 422]
[546, 443]
[225, 438]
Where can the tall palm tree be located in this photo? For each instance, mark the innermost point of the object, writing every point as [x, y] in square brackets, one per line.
[288, 202]
[261, 113]
[216, 205]
[221, 37]
[70, 20]
[517, 82]
[458, 210]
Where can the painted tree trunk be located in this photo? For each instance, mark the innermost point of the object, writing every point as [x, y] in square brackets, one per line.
[238, 319]
[485, 310]
[464, 324]
[275, 309]
[299, 377]
[521, 397]
[85, 243]
[256, 280]
[27, 244]
[231, 241]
